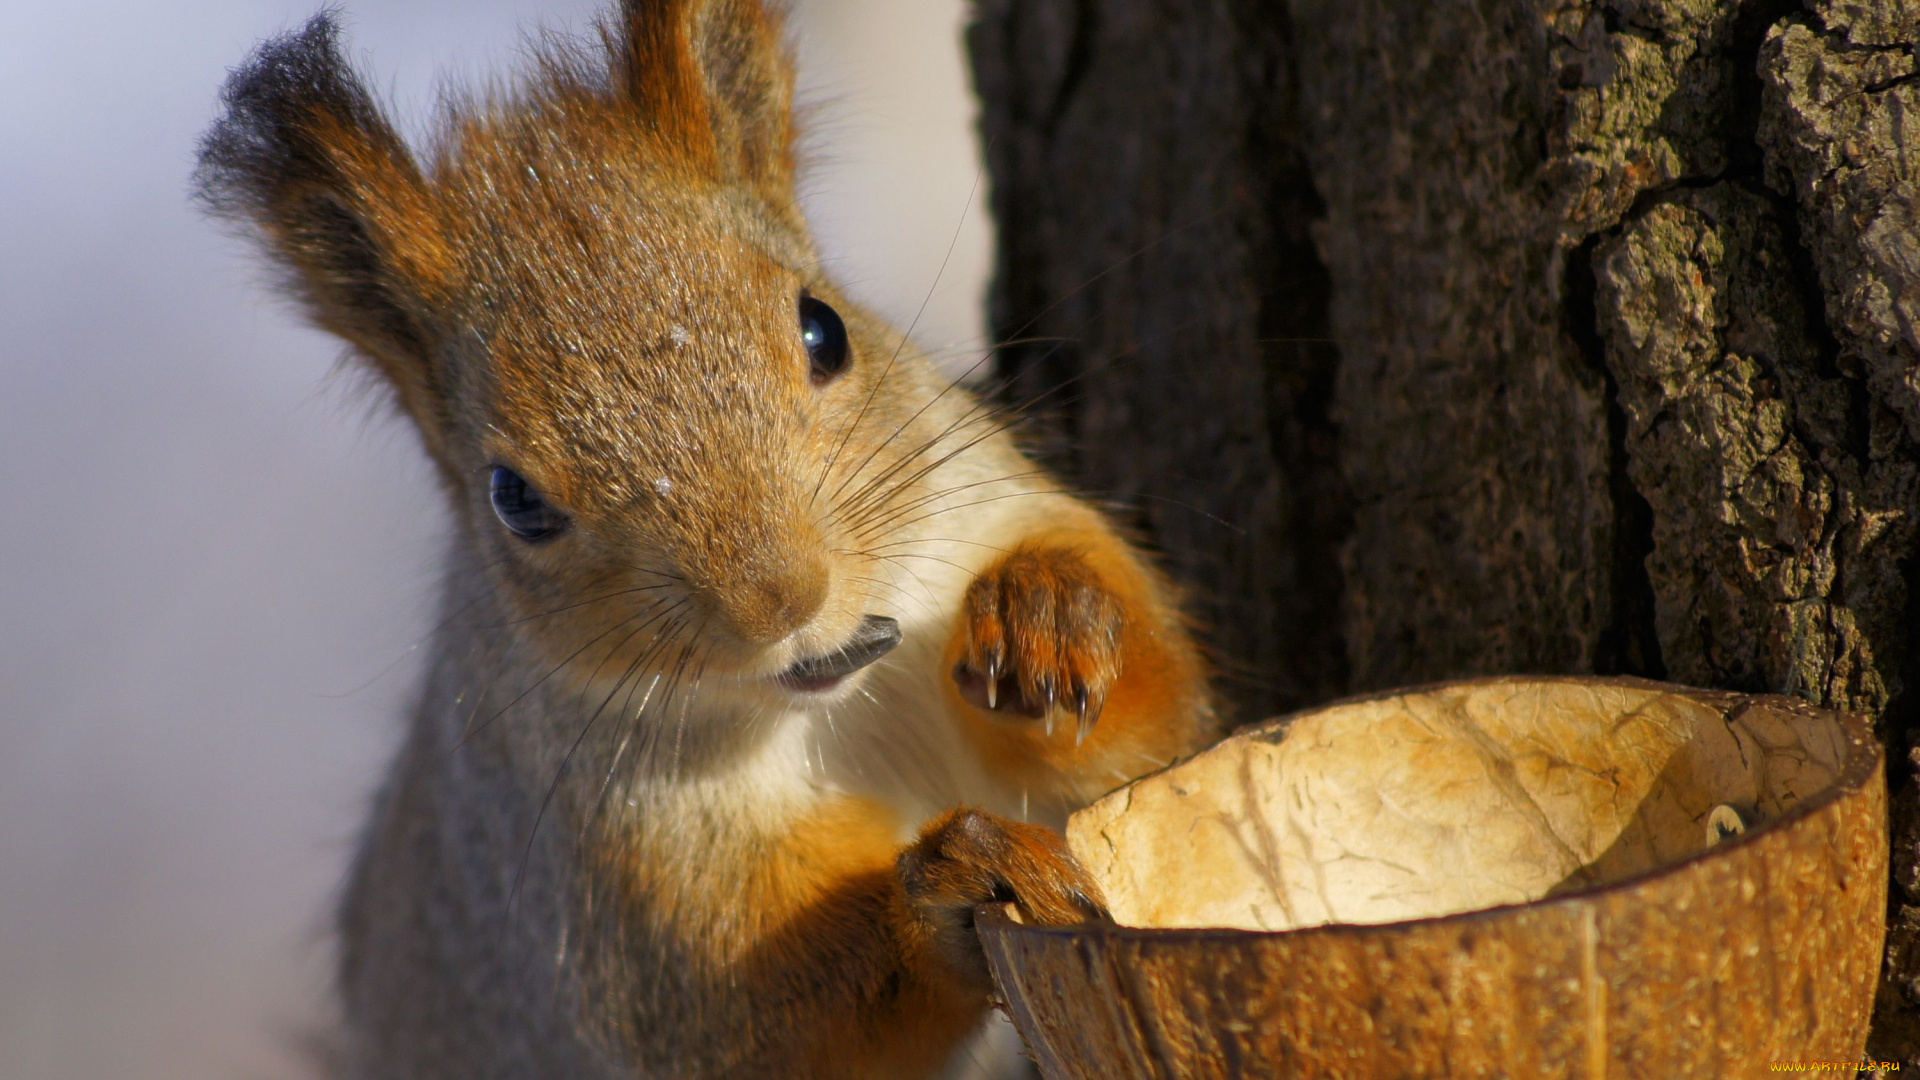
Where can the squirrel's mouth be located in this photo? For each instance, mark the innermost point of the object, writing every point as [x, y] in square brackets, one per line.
[875, 638]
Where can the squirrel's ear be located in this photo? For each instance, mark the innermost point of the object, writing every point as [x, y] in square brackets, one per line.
[303, 154]
[713, 76]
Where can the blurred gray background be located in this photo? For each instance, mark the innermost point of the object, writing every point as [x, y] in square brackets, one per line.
[215, 560]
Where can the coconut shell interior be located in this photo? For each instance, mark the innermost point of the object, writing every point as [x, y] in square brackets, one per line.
[1443, 801]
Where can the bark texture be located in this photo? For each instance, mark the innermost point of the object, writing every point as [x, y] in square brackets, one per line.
[1166, 311]
[1523, 336]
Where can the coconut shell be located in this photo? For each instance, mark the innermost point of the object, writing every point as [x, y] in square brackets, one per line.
[1509, 877]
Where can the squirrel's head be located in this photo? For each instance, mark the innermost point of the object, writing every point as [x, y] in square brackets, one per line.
[597, 301]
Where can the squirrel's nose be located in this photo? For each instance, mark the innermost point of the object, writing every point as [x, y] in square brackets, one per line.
[766, 600]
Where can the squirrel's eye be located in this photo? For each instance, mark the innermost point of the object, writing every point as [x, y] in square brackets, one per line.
[825, 337]
[521, 509]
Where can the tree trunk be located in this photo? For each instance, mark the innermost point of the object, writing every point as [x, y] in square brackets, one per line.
[1433, 340]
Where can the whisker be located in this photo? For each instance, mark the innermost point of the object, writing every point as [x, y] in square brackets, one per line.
[1117, 264]
[591, 642]
[1215, 518]
[896, 527]
[875, 489]
[935, 540]
[945, 458]
[871, 499]
[929, 558]
[574, 606]
[673, 690]
[438, 629]
[653, 649]
[565, 762]
[551, 672]
[906, 337]
[974, 413]
[952, 384]
[980, 411]
[887, 514]
[925, 605]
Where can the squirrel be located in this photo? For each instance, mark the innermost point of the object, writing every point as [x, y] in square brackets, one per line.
[767, 655]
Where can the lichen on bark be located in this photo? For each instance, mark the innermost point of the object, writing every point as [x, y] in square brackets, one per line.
[1469, 155]
[1841, 95]
[1645, 95]
[1746, 453]
[1837, 128]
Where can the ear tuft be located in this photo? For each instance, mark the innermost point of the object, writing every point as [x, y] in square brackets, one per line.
[304, 155]
[714, 76]
[277, 105]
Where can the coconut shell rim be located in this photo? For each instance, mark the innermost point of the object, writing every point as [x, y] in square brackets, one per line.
[1864, 762]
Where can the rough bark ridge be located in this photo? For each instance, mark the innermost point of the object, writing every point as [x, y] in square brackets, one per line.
[1626, 296]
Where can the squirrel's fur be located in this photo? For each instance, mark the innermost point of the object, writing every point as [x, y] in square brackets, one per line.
[614, 844]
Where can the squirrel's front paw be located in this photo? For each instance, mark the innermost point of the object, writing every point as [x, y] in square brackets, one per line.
[969, 857]
[1041, 632]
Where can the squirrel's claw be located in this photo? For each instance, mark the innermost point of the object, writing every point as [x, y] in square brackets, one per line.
[1086, 710]
[1041, 635]
[968, 857]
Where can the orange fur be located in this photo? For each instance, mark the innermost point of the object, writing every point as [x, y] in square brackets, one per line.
[819, 889]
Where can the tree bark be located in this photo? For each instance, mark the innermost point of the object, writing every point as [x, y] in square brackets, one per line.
[1436, 340]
